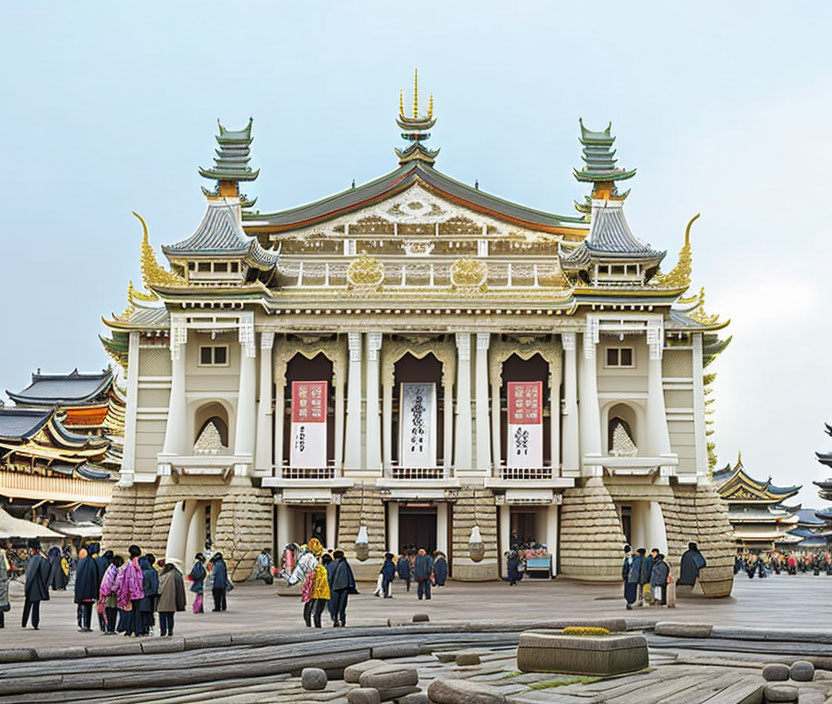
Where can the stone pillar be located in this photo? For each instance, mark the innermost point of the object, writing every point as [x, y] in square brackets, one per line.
[698, 408]
[283, 530]
[590, 414]
[331, 525]
[352, 453]
[449, 422]
[128, 465]
[196, 533]
[244, 434]
[483, 422]
[280, 416]
[658, 436]
[554, 415]
[442, 527]
[387, 423]
[178, 533]
[505, 537]
[393, 527]
[176, 430]
[339, 419]
[552, 534]
[265, 423]
[571, 461]
[373, 429]
[463, 445]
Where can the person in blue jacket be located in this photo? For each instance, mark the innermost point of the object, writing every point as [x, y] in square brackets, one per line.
[388, 572]
[403, 567]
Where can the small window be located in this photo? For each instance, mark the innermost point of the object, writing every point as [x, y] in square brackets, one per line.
[204, 266]
[620, 357]
[191, 266]
[220, 266]
[213, 356]
[234, 267]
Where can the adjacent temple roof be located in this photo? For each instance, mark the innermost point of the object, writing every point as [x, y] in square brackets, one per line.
[220, 234]
[735, 485]
[66, 389]
[599, 157]
[231, 160]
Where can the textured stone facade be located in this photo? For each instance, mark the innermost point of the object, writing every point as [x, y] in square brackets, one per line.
[474, 506]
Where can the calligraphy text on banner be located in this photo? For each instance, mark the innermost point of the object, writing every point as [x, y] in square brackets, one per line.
[417, 425]
[309, 406]
[525, 424]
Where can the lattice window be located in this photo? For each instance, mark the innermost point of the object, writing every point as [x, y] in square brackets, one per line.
[678, 364]
[154, 361]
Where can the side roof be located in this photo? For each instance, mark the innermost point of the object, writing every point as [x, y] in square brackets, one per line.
[397, 181]
[75, 387]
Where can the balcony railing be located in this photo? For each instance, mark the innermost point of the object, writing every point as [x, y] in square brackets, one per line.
[417, 472]
[527, 473]
[308, 472]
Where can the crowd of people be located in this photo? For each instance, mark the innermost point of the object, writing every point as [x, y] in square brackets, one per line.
[127, 593]
[647, 578]
[762, 565]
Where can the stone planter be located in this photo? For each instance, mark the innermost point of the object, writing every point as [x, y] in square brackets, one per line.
[581, 655]
[476, 551]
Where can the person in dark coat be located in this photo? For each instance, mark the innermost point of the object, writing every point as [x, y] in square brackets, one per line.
[658, 580]
[630, 588]
[692, 561]
[222, 584]
[422, 571]
[171, 597]
[403, 568]
[638, 574]
[102, 562]
[513, 566]
[440, 569]
[87, 582]
[36, 588]
[150, 585]
[4, 586]
[329, 566]
[58, 578]
[341, 586]
[388, 572]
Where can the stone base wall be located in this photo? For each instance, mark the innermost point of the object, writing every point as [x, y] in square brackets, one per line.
[244, 527]
[591, 540]
[474, 507]
[362, 506]
[129, 517]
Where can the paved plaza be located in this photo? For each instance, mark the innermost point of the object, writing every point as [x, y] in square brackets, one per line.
[776, 602]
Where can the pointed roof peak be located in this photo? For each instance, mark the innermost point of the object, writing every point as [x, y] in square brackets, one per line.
[415, 128]
[232, 157]
[599, 159]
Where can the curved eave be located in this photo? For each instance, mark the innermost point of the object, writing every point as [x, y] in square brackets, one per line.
[252, 291]
[670, 294]
[116, 324]
[398, 181]
[52, 400]
[600, 177]
[237, 176]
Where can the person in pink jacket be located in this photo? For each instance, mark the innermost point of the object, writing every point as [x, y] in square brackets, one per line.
[108, 594]
[130, 591]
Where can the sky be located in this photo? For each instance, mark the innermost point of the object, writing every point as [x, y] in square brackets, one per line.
[724, 109]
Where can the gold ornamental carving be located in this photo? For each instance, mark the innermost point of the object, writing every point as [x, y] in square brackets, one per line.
[365, 273]
[467, 273]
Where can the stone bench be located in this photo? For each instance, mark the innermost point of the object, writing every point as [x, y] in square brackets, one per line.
[581, 655]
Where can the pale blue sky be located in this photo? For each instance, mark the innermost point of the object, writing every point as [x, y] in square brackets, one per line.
[724, 108]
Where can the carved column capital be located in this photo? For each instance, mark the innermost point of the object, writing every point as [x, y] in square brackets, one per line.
[591, 337]
[655, 337]
[354, 346]
[568, 340]
[373, 345]
[266, 340]
[463, 346]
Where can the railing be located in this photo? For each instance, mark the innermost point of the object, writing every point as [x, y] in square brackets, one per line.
[417, 473]
[308, 473]
[526, 473]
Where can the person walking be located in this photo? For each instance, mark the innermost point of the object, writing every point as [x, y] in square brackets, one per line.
[316, 595]
[171, 597]
[658, 580]
[86, 590]
[513, 566]
[422, 572]
[36, 588]
[58, 569]
[150, 587]
[638, 574]
[403, 568]
[264, 566]
[5, 605]
[222, 584]
[329, 566]
[341, 586]
[102, 564]
[108, 594]
[630, 588]
[131, 592]
[197, 578]
[691, 563]
[440, 568]
[388, 572]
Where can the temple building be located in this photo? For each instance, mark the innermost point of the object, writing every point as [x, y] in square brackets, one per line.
[825, 492]
[758, 516]
[414, 361]
[60, 450]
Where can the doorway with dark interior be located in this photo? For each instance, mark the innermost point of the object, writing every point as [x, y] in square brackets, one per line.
[417, 526]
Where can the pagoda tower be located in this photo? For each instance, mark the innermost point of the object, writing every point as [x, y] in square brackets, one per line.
[825, 490]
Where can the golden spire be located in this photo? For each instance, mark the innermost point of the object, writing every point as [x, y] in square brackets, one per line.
[699, 314]
[134, 295]
[415, 92]
[401, 103]
[154, 273]
[430, 107]
[679, 276]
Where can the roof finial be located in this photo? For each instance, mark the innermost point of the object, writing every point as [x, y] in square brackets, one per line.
[739, 458]
[430, 106]
[401, 102]
[679, 275]
[154, 273]
[415, 93]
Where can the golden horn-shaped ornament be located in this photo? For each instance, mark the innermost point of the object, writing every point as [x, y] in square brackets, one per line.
[430, 107]
[415, 92]
[401, 103]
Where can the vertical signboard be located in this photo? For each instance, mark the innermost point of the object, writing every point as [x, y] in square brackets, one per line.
[308, 424]
[525, 424]
[417, 425]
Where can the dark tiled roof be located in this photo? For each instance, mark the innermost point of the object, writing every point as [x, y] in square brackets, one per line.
[397, 181]
[75, 387]
[220, 234]
[22, 423]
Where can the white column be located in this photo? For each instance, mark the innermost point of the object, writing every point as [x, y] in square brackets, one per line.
[552, 534]
[196, 533]
[352, 453]
[283, 530]
[442, 527]
[699, 426]
[393, 527]
[554, 417]
[387, 423]
[178, 532]
[658, 436]
[279, 419]
[331, 526]
[481, 395]
[590, 415]
[265, 422]
[496, 429]
[339, 419]
[128, 464]
[505, 537]
[373, 429]
[449, 424]
[463, 445]
[176, 440]
[571, 446]
[244, 434]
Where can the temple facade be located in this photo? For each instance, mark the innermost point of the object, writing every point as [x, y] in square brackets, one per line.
[413, 361]
[760, 519]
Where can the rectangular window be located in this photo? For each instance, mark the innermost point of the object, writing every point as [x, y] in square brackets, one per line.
[220, 266]
[620, 357]
[213, 355]
[204, 266]
[234, 267]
